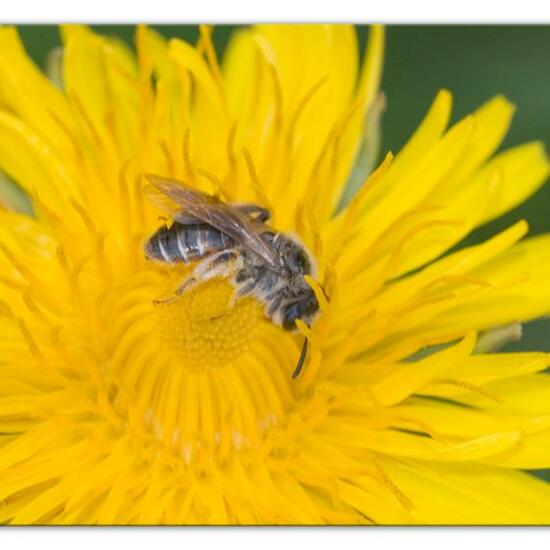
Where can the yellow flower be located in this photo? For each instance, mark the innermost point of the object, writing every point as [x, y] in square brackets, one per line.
[113, 410]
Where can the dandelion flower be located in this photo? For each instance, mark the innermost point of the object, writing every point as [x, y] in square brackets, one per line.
[114, 411]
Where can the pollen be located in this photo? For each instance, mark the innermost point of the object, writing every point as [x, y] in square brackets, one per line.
[204, 329]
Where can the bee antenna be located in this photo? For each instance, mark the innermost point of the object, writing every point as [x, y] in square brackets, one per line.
[301, 361]
[324, 292]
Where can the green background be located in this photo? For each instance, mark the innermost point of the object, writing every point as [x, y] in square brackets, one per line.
[474, 62]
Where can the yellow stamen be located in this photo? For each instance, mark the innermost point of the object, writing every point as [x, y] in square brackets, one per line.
[189, 170]
[255, 181]
[85, 217]
[273, 72]
[211, 56]
[471, 387]
[300, 108]
[401, 497]
[319, 294]
[29, 340]
[167, 157]
[230, 151]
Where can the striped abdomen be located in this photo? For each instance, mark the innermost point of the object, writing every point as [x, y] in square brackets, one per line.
[186, 243]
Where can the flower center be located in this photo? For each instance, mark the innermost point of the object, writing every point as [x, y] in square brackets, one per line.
[202, 328]
[204, 376]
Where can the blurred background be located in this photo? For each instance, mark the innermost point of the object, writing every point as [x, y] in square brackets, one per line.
[474, 62]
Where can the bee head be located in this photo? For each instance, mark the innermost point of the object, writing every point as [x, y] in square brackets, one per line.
[305, 307]
[298, 262]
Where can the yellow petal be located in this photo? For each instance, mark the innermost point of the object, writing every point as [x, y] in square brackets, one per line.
[491, 122]
[479, 369]
[293, 115]
[411, 376]
[500, 185]
[209, 109]
[100, 73]
[525, 396]
[461, 263]
[424, 138]
[239, 78]
[521, 171]
[449, 494]
[371, 73]
[520, 291]
[305, 53]
[29, 160]
[411, 189]
[380, 508]
[25, 91]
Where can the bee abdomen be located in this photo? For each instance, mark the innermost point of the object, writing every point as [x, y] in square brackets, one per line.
[186, 243]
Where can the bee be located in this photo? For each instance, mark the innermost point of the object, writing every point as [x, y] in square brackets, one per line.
[233, 241]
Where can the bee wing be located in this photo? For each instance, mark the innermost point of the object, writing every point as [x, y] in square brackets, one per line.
[166, 204]
[218, 214]
[159, 199]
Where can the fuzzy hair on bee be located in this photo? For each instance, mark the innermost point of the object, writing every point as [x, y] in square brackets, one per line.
[233, 241]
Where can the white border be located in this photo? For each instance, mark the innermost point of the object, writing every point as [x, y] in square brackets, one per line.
[168, 538]
[246, 11]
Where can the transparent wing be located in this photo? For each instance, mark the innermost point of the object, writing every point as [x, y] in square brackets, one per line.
[159, 199]
[165, 203]
[224, 217]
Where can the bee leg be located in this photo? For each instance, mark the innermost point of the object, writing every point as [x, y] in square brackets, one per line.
[186, 285]
[258, 213]
[274, 306]
[245, 282]
[216, 265]
[221, 264]
[242, 291]
[224, 264]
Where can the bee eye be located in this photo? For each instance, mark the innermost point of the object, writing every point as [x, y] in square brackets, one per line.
[302, 262]
[290, 314]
